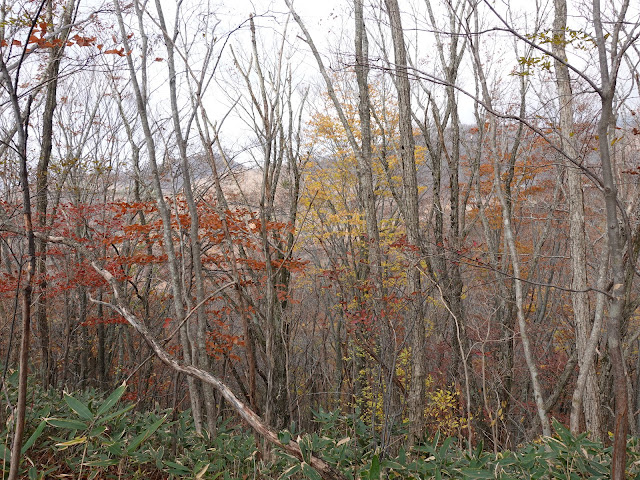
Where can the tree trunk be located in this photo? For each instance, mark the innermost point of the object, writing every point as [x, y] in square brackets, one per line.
[615, 247]
[167, 231]
[42, 189]
[586, 397]
[411, 218]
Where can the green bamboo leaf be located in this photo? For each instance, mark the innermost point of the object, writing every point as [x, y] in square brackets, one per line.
[105, 462]
[374, 471]
[112, 399]
[284, 437]
[477, 473]
[304, 443]
[77, 406]
[176, 468]
[34, 436]
[290, 471]
[97, 431]
[5, 453]
[66, 423]
[111, 416]
[310, 472]
[136, 442]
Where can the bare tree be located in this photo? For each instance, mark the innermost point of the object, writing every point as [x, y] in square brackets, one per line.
[589, 401]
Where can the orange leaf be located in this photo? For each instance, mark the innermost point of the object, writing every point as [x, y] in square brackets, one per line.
[158, 59]
[113, 51]
[16, 43]
[84, 41]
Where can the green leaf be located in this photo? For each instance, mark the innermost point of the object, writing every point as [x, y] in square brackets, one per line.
[97, 431]
[284, 437]
[442, 451]
[136, 442]
[66, 423]
[111, 416]
[477, 473]
[304, 443]
[158, 456]
[5, 453]
[176, 468]
[374, 471]
[112, 399]
[34, 436]
[105, 462]
[310, 472]
[392, 465]
[290, 471]
[77, 406]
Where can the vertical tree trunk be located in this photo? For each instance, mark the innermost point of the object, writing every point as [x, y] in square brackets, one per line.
[586, 397]
[42, 189]
[411, 218]
[511, 244]
[202, 358]
[615, 245]
[165, 215]
[22, 121]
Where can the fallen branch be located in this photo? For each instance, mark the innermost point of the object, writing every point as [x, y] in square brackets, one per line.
[254, 421]
[325, 470]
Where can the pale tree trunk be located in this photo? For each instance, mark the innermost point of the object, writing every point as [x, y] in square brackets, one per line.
[363, 154]
[268, 104]
[364, 170]
[276, 336]
[519, 298]
[261, 428]
[167, 232]
[387, 340]
[586, 397]
[511, 244]
[411, 218]
[201, 356]
[372, 250]
[444, 259]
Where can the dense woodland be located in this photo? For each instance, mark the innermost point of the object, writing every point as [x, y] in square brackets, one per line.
[422, 216]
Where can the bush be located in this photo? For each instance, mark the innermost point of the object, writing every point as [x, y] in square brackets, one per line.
[86, 435]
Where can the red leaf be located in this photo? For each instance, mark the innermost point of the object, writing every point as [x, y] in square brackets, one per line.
[113, 51]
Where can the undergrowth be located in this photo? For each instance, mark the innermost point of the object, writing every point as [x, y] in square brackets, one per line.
[85, 435]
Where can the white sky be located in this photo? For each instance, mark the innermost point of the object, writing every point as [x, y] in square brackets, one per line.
[330, 23]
